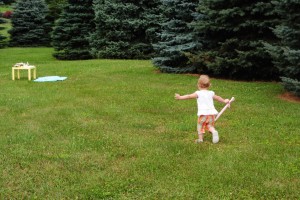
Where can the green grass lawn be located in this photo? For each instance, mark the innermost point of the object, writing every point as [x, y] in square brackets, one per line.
[113, 130]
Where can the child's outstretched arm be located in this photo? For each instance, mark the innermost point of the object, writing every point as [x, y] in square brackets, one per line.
[187, 96]
[220, 99]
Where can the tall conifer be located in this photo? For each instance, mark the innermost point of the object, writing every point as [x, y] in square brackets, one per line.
[176, 38]
[72, 30]
[234, 32]
[286, 53]
[124, 28]
[55, 9]
[29, 24]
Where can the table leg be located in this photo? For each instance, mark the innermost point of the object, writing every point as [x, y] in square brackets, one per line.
[18, 73]
[13, 74]
[29, 74]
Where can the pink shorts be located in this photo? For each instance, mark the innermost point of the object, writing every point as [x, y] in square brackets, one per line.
[205, 122]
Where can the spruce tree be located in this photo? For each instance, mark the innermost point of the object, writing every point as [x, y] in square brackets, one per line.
[55, 8]
[176, 39]
[234, 32]
[72, 30]
[7, 1]
[29, 24]
[152, 18]
[2, 38]
[124, 28]
[286, 53]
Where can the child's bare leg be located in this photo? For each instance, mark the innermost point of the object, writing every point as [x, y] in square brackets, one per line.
[200, 134]
[212, 129]
[215, 134]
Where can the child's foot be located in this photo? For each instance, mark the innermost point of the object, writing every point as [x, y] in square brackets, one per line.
[215, 137]
[198, 141]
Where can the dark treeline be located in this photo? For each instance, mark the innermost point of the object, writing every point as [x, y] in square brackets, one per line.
[236, 39]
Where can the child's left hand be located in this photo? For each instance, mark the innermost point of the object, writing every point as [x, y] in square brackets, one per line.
[177, 96]
[227, 101]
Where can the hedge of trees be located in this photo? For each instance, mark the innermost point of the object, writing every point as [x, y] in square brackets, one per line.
[236, 39]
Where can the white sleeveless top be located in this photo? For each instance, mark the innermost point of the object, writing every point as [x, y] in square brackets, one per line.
[205, 103]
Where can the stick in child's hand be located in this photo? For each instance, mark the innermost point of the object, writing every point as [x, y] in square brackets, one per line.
[225, 107]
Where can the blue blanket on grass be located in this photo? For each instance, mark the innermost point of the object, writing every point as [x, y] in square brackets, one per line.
[50, 79]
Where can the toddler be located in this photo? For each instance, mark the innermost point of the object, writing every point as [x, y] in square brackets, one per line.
[206, 109]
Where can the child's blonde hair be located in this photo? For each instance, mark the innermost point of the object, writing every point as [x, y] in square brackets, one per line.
[203, 82]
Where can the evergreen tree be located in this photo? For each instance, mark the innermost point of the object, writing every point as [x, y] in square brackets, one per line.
[55, 8]
[29, 24]
[177, 38]
[2, 38]
[152, 18]
[286, 53]
[7, 1]
[234, 32]
[72, 30]
[124, 28]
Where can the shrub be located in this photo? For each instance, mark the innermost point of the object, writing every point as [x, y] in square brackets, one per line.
[7, 14]
[291, 85]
